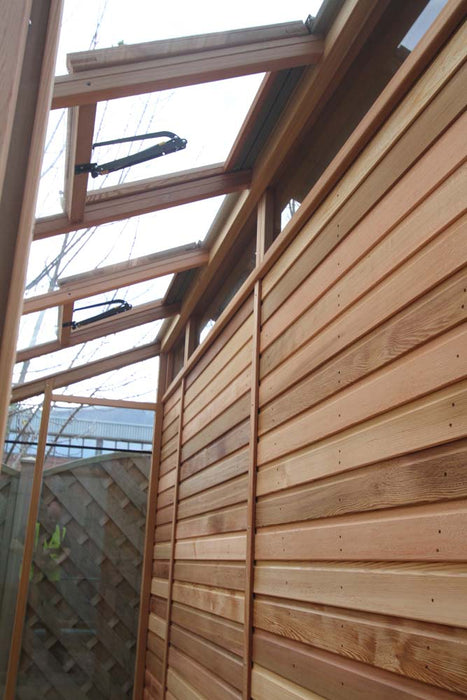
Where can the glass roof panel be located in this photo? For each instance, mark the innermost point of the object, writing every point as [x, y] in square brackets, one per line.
[70, 254]
[88, 352]
[136, 382]
[40, 327]
[208, 116]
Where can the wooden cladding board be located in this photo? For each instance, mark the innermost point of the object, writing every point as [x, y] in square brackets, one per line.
[210, 459]
[360, 563]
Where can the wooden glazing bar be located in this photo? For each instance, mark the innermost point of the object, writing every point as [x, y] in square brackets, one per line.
[91, 369]
[173, 539]
[96, 401]
[150, 50]
[146, 571]
[251, 507]
[25, 127]
[28, 550]
[100, 84]
[65, 314]
[79, 150]
[133, 199]
[124, 274]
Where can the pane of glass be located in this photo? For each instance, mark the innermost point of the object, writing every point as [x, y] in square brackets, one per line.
[88, 352]
[136, 382]
[50, 195]
[210, 132]
[38, 328]
[79, 636]
[15, 490]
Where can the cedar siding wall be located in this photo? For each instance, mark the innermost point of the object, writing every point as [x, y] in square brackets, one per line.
[360, 575]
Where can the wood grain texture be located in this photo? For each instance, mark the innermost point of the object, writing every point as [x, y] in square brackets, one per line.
[217, 522]
[436, 474]
[446, 64]
[435, 312]
[433, 654]
[203, 680]
[227, 444]
[434, 365]
[225, 633]
[225, 469]
[427, 592]
[217, 660]
[414, 426]
[344, 249]
[230, 493]
[217, 601]
[414, 233]
[424, 533]
[219, 547]
[219, 575]
[335, 677]
[266, 684]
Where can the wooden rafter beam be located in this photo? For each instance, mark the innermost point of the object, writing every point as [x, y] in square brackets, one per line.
[120, 275]
[138, 316]
[151, 50]
[352, 27]
[79, 147]
[96, 401]
[145, 196]
[91, 369]
[114, 82]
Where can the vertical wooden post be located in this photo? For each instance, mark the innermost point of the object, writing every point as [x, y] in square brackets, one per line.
[173, 537]
[22, 595]
[264, 237]
[146, 572]
[31, 50]
[190, 338]
[251, 509]
[265, 224]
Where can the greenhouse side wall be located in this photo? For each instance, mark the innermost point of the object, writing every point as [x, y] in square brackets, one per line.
[359, 562]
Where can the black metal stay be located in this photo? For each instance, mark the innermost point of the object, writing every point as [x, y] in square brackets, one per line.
[121, 306]
[173, 144]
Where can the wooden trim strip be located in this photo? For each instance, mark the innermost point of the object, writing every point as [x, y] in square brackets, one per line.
[91, 369]
[28, 550]
[252, 468]
[173, 538]
[149, 533]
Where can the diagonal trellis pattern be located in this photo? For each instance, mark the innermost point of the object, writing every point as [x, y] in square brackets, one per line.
[79, 638]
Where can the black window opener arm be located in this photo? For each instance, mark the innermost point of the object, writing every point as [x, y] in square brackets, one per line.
[173, 144]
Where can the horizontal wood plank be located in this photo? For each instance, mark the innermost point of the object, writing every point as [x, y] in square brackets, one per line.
[427, 592]
[433, 654]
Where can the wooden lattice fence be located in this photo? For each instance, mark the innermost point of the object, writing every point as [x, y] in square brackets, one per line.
[80, 631]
